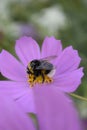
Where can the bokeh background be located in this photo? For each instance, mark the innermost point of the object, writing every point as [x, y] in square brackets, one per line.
[64, 19]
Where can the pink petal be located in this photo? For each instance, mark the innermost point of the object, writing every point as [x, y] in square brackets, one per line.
[27, 49]
[69, 82]
[20, 93]
[54, 112]
[11, 117]
[14, 89]
[51, 47]
[11, 68]
[26, 102]
[68, 60]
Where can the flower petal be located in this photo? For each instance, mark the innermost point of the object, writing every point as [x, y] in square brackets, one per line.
[69, 82]
[54, 112]
[11, 117]
[11, 68]
[27, 49]
[51, 47]
[14, 89]
[68, 60]
[21, 94]
[26, 102]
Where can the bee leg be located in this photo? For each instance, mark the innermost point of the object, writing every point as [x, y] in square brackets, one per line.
[43, 78]
[34, 78]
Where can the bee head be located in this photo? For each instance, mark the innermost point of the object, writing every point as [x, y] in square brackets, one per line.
[34, 64]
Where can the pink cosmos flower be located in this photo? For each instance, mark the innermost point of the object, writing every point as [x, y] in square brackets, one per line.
[44, 99]
[61, 117]
[11, 118]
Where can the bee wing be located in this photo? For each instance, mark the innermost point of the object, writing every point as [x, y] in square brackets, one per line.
[49, 58]
[45, 65]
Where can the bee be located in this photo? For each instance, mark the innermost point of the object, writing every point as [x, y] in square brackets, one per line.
[40, 70]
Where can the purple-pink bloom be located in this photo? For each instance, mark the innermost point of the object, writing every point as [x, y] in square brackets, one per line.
[11, 117]
[54, 112]
[46, 100]
[28, 30]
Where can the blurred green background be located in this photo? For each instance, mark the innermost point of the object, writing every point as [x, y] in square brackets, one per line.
[64, 19]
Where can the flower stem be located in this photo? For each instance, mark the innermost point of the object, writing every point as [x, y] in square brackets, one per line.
[78, 97]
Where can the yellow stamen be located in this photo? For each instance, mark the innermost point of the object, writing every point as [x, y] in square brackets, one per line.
[34, 80]
[48, 79]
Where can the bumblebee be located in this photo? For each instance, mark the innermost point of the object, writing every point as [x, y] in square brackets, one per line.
[40, 71]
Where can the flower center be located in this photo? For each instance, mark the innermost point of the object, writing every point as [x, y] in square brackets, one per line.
[40, 71]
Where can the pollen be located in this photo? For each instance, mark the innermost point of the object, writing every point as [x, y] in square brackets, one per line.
[38, 80]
